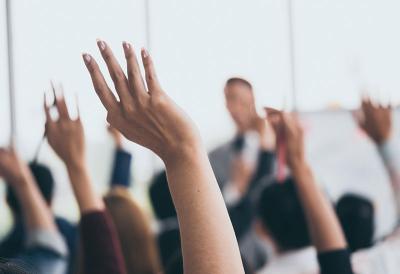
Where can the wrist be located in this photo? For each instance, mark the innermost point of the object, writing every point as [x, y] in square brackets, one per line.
[183, 154]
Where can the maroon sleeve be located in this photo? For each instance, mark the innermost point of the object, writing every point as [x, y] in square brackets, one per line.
[101, 248]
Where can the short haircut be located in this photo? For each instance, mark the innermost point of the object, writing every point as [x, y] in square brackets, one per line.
[45, 183]
[356, 215]
[283, 217]
[238, 80]
[160, 197]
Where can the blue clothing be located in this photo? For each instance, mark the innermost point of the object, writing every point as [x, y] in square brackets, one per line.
[121, 174]
[13, 245]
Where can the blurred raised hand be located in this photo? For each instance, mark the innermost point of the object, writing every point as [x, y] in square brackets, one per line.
[146, 116]
[65, 135]
[375, 120]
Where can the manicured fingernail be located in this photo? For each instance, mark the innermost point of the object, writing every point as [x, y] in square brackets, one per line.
[101, 44]
[87, 58]
[126, 47]
[145, 53]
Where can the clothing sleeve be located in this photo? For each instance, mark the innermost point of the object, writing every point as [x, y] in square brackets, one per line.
[45, 253]
[121, 174]
[390, 154]
[242, 215]
[101, 247]
[334, 262]
[264, 167]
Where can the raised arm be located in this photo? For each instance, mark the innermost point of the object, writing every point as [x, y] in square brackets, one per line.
[150, 118]
[42, 234]
[325, 231]
[376, 121]
[101, 248]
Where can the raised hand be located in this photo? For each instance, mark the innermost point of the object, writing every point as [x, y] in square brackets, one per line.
[376, 121]
[242, 172]
[288, 127]
[65, 135]
[147, 117]
[150, 118]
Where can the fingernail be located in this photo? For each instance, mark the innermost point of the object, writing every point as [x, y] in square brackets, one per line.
[145, 53]
[87, 58]
[101, 44]
[126, 45]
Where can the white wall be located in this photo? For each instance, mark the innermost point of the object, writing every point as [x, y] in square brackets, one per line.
[340, 46]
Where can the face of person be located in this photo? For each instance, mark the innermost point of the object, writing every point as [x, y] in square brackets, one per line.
[240, 104]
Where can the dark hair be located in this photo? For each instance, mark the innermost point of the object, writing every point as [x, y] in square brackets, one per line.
[160, 197]
[176, 265]
[356, 215]
[238, 80]
[45, 182]
[282, 215]
[14, 267]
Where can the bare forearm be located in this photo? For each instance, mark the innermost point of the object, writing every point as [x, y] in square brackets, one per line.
[325, 230]
[36, 213]
[202, 216]
[84, 192]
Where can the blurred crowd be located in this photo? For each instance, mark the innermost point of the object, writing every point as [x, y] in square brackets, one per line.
[251, 205]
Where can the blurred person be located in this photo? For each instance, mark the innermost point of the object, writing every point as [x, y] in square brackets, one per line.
[13, 243]
[377, 122]
[254, 143]
[136, 238]
[168, 235]
[357, 217]
[44, 250]
[151, 119]
[133, 228]
[101, 249]
[296, 211]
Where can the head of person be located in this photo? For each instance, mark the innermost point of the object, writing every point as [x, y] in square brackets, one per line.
[138, 244]
[240, 103]
[281, 216]
[45, 182]
[160, 197]
[356, 215]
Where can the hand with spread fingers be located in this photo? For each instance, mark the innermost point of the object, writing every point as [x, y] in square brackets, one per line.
[375, 120]
[151, 119]
[147, 117]
[65, 135]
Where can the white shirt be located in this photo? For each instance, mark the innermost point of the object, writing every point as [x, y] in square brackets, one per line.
[302, 261]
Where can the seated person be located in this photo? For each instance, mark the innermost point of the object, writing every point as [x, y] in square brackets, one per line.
[43, 249]
[295, 212]
[13, 243]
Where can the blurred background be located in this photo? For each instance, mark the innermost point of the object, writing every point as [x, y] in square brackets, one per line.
[340, 48]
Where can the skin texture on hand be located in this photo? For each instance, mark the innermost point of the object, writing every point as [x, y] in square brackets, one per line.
[151, 119]
[325, 230]
[35, 211]
[375, 120]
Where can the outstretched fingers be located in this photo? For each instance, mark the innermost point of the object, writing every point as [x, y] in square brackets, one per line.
[150, 71]
[135, 79]
[117, 74]
[105, 94]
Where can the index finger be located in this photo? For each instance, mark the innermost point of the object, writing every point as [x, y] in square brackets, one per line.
[104, 93]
